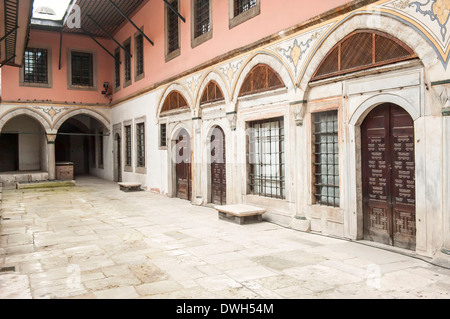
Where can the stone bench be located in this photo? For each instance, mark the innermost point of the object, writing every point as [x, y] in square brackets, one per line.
[241, 214]
[130, 187]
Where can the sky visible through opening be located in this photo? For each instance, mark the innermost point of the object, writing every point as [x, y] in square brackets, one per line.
[59, 6]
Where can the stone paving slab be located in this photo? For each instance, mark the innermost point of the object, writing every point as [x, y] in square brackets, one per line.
[93, 241]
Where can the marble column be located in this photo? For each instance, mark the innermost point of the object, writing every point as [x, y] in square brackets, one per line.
[51, 156]
[446, 202]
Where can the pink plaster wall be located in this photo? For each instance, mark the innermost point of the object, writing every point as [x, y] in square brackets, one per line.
[59, 93]
[275, 16]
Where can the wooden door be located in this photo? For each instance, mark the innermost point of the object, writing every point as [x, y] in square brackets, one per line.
[183, 166]
[388, 168]
[218, 168]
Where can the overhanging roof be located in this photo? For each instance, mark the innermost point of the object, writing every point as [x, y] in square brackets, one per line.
[14, 30]
[101, 11]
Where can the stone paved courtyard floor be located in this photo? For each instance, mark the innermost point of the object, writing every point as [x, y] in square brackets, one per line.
[94, 241]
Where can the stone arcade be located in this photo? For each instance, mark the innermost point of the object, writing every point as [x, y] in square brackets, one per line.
[334, 119]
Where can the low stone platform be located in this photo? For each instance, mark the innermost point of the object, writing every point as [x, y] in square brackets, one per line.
[46, 184]
[10, 179]
[241, 214]
[130, 187]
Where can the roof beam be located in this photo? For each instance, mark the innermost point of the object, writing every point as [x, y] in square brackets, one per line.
[175, 11]
[101, 45]
[110, 36]
[131, 22]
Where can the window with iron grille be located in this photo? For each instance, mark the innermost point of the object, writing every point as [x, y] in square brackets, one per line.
[100, 150]
[35, 66]
[172, 28]
[202, 23]
[163, 135]
[82, 69]
[139, 54]
[127, 64]
[117, 67]
[140, 143]
[128, 145]
[241, 6]
[326, 158]
[266, 158]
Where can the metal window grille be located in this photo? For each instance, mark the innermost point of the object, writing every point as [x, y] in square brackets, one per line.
[139, 54]
[35, 66]
[140, 131]
[163, 135]
[266, 158]
[117, 68]
[326, 158]
[241, 6]
[100, 149]
[172, 28]
[127, 64]
[128, 145]
[82, 69]
[202, 22]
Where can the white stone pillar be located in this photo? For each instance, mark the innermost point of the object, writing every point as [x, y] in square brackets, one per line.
[51, 138]
[446, 164]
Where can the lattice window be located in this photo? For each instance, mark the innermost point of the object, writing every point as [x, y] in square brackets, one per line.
[202, 23]
[163, 135]
[128, 145]
[117, 67]
[241, 6]
[174, 101]
[266, 158]
[82, 69]
[362, 50]
[127, 64]
[139, 54]
[212, 93]
[140, 144]
[326, 158]
[261, 78]
[172, 28]
[35, 66]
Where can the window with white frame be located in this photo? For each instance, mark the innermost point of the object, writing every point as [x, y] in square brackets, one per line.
[266, 158]
[325, 128]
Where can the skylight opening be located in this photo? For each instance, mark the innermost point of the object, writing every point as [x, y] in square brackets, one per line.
[50, 9]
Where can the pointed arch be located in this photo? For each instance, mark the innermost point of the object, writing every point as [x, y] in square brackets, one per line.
[182, 91]
[261, 78]
[25, 111]
[362, 49]
[212, 76]
[174, 101]
[271, 61]
[212, 93]
[94, 114]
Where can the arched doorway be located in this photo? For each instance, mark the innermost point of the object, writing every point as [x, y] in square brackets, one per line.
[218, 167]
[388, 176]
[81, 140]
[183, 166]
[23, 145]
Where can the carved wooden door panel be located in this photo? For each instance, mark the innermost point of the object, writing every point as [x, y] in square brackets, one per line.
[183, 166]
[388, 169]
[218, 168]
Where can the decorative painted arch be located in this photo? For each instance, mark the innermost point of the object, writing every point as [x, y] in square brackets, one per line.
[94, 114]
[175, 87]
[363, 20]
[271, 61]
[28, 112]
[216, 77]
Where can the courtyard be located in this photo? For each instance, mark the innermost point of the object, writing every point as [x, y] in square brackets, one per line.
[93, 241]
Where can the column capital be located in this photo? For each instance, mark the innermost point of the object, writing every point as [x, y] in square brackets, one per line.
[51, 138]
